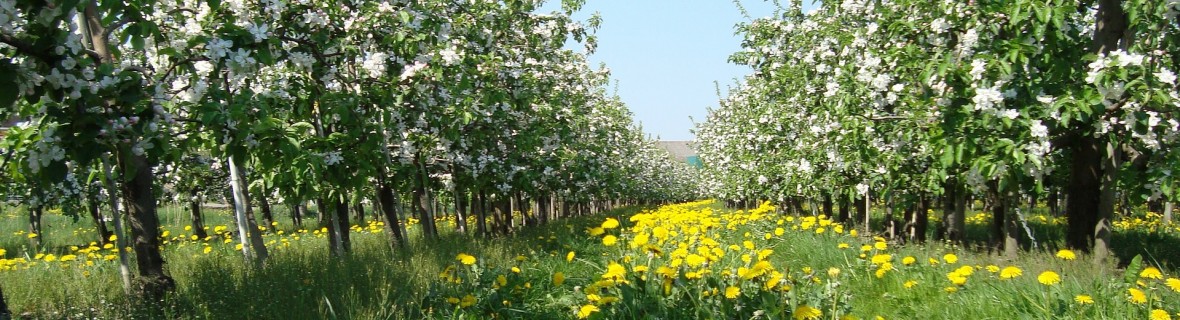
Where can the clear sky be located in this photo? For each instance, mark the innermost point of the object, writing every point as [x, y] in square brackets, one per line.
[666, 55]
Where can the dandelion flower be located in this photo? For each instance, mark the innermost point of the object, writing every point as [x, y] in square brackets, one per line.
[950, 258]
[805, 312]
[842, 246]
[569, 256]
[467, 301]
[910, 284]
[1083, 299]
[881, 245]
[1151, 273]
[558, 278]
[586, 310]
[1010, 272]
[1174, 284]
[1158, 314]
[1049, 278]
[614, 270]
[1066, 254]
[452, 300]
[1136, 296]
[732, 292]
[610, 223]
[833, 272]
[465, 259]
[908, 260]
[609, 240]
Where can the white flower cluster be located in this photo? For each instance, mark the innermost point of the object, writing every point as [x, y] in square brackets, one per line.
[46, 150]
[375, 64]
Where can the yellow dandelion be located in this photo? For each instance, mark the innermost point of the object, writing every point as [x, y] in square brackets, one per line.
[614, 270]
[468, 300]
[32, 235]
[596, 231]
[910, 284]
[880, 245]
[515, 270]
[1010, 272]
[1174, 284]
[609, 240]
[842, 246]
[558, 278]
[610, 223]
[1049, 278]
[833, 272]
[586, 310]
[1136, 296]
[908, 260]
[1083, 299]
[465, 259]
[1157, 314]
[950, 258]
[569, 256]
[1066, 254]
[993, 268]
[805, 312]
[732, 292]
[1151, 273]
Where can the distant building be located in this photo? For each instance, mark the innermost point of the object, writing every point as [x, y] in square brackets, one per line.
[681, 151]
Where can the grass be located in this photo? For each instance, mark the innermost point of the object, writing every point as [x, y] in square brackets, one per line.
[513, 277]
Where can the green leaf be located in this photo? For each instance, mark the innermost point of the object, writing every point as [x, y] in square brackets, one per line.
[1132, 272]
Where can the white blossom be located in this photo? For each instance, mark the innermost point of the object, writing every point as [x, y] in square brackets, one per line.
[1165, 75]
[1038, 130]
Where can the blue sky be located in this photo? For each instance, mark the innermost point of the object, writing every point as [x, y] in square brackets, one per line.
[665, 56]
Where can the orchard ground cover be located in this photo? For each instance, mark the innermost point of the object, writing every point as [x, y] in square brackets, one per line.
[691, 260]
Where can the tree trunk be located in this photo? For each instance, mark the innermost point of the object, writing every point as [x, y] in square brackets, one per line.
[297, 214]
[359, 209]
[117, 216]
[921, 220]
[198, 222]
[827, 205]
[481, 217]
[461, 206]
[1054, 202]
[1167, 212]
[35, 227]
[421, 204]
[955, 222]
[145, 226]
[388, 202]
[100, 225]
[544, 205]
[343, 227]
[328, 221]
[844, 209]
[1005, 228]
[1102, 230]
[253, 247]
[505, 208]
[268, 214]
[1091, 202]
[866, 213]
